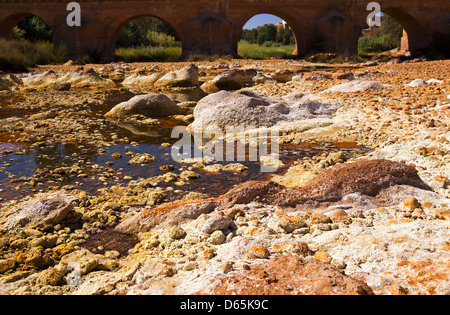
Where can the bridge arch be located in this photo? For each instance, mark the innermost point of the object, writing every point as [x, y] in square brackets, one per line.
[413, 30]
[124, 22]
[7, 24]
[240, 22]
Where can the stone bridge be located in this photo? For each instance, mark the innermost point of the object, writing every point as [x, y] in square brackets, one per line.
[213, 26]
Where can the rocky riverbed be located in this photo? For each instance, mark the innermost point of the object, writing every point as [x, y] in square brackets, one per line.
[92, 201]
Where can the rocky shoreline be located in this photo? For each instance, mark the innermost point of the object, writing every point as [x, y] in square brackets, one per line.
[334, 223]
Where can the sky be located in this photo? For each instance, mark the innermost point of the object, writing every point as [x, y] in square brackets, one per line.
[262, 19]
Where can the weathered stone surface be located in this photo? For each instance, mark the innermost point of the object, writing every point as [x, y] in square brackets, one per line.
[169, 214]
[142, 80]
[186, 77]
[9, 81]
[40, 212]
[230, 80]
[216, 223]
[287, 275]
[142, 159]
[356, 86]
[282, 76]
[417, 83]
[248, 109]
[150, 105]
[79, 79]
[364, 177]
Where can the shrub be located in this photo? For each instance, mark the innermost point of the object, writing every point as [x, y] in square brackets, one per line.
[255, 51]
[19, 55]
[149, 54]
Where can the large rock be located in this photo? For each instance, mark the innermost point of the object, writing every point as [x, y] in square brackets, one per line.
[186, 77]
[230, 80]
[248, 109]
[367, 177]
[282, 76]
[356, 86]
[168, 215]
[41, 212]
[142, 80]
[287, 275]
[150, 105]
[9, 81]
[364, 177]
[79, 79]
[417, 83]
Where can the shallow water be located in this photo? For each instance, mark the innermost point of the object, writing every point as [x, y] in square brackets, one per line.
[26, 169]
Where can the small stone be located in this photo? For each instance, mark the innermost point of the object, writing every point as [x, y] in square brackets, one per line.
[167, 168]
[396, 289]
[325, 257]
[176, 232]
[19, 244]
[227, 267]
[215, 168]
[217, 238]
[142, 159]
[319, 218]
[442, 214]
[411, 204]
[189, 175]
[209, 253]
[215, 223]
[339, 215]
[51, 276]
[116, 155]
[6, 265]
[235, 167]
[258, 252]
[418, 213]
[291, 223]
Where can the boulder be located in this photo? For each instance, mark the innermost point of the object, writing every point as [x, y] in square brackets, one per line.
[85, 78]
[234, 79]
[287, 275]
[417, 83]
[356, 86]
[150, 105]
[142, 80]
[41, 212]
[186, 77]
[79, 79]
[9, 81]
[248, 109]
[261, 79]
[282, 76]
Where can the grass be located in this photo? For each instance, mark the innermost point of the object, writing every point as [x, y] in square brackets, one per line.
[255, 51]
[20, 55]
[149, 54]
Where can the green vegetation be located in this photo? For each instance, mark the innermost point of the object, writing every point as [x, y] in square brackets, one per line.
[32, 46]
[268, 34]
[34, 29]
[148, 32]
[266, 42]
[148, 39]
[19, 55]
[384, 38]
[256, 51]
[149, 54]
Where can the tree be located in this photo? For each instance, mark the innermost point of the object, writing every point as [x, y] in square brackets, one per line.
[34, 29]
[141, 32]
[267, 33]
